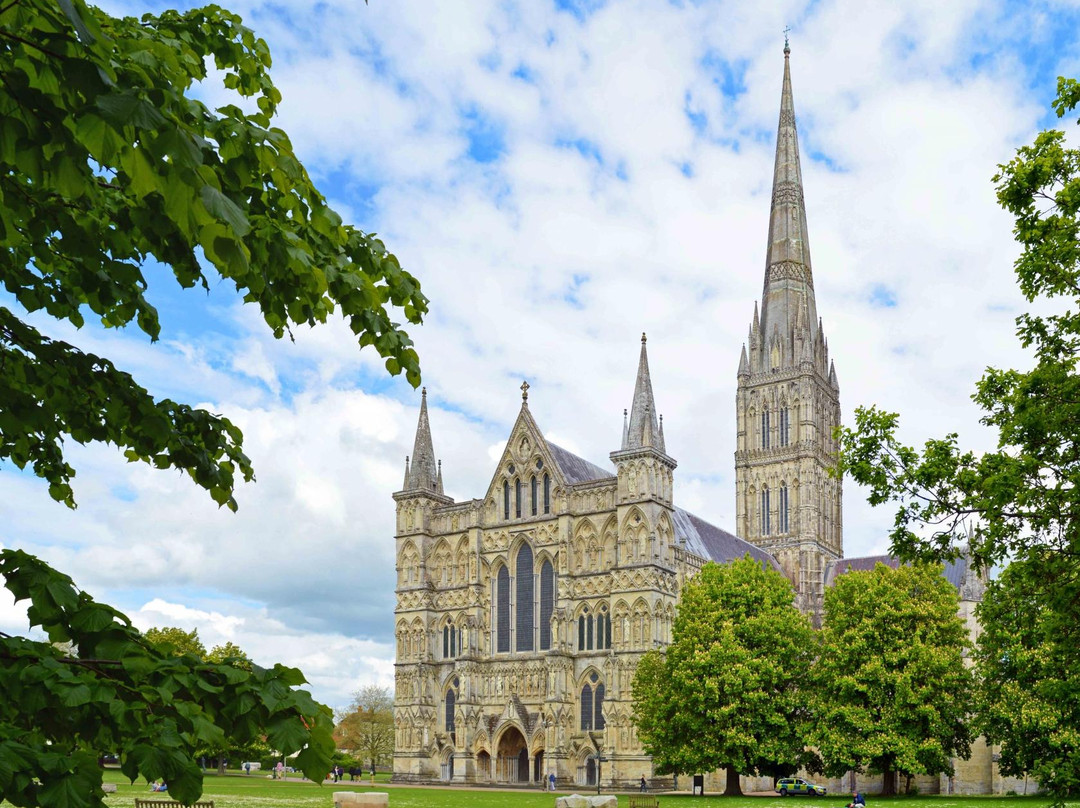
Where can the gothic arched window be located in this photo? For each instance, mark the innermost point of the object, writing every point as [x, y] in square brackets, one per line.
[517, 498]
[766, 525]
[502, 611]
[547, 603]
[603, 629]
[506, 499]
[586, 707]
[451, 703]
[524, 577]
[547, 494]
[785, 426]
[765, 429]
[598, 706]
[783, 515]
[533, 486]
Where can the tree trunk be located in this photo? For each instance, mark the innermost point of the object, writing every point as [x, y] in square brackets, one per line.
[221, 765]
[732, 788]
[888, 782]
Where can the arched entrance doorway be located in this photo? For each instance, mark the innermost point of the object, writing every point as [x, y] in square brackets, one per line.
[589, 771]
[538, 766]
[512, 759]
[448, 767]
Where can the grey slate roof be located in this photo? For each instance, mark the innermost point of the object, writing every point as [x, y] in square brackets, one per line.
[577, 469]
[713, 543]
[955, 571]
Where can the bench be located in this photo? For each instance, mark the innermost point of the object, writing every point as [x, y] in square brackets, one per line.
[141, 803]
[644, 801]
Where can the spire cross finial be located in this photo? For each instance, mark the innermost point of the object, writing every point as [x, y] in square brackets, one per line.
[787, 47]
[524, 391]
[643, 340]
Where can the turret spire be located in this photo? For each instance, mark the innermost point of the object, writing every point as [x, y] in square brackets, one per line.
[423, 473]
[643, 429]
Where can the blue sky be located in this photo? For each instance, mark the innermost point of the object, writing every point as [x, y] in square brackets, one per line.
[562, 176]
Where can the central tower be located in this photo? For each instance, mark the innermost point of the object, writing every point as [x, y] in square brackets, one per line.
[788, 398]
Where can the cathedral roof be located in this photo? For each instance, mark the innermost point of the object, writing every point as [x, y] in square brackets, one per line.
[955, 571]
[709, 541]
[577, 469]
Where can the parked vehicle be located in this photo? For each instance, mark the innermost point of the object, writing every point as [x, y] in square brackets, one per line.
[796, 785]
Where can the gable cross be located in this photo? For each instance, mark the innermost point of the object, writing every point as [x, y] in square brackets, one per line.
[525, 391]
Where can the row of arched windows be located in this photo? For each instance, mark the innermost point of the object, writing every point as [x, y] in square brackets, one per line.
[594, 633]
[534, 498]
[783, 521]
[523, 606]
[783, 423]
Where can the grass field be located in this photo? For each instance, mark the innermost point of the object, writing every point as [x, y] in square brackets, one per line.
[257, 791]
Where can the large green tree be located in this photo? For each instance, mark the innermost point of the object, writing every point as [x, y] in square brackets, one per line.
[892, 691]
[726, 694]
[113, 173]
[1019, 503]
[1029, 678]
[366, 727]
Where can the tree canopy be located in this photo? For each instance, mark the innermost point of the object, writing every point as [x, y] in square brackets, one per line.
[893, 693]
[113, 172]
[1028, 677]
[726, 694]
[110, 164]
[366, 727]
[177, 641]
[1020, 503]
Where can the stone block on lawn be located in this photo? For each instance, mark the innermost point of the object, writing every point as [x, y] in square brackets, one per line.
[604, 801]
[108, 788]
[572, 801]
[355, 799]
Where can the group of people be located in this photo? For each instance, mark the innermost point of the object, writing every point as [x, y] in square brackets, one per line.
[857, 800]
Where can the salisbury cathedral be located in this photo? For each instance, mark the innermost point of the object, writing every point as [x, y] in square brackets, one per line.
[521, 615]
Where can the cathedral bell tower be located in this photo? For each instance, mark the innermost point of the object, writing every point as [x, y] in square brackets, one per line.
[788, 398]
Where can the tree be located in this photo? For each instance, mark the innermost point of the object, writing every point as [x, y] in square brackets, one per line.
[726, 694]
[177, 642]
[893, 693]
[1021, 502]
[367, 727]
[112, 172]
[1029, 680]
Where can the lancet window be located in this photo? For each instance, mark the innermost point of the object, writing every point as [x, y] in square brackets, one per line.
[451, 641]
[765, 429]
[766, 522]
[592, 704]
[547, 603]
[524, 576]
[784, 523]
[533, 492]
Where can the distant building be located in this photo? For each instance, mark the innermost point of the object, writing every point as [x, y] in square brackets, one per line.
[521, 615]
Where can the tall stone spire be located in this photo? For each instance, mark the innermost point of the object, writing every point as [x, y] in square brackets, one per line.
[789, 283]
[787, 399]
[643, 429]
[423, 473]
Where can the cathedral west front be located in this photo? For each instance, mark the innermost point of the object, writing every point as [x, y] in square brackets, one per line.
[521, 614]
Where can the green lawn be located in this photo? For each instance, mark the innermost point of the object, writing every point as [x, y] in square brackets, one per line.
[257, 791]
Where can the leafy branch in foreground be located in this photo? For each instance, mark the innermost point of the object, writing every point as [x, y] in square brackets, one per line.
[115, 691]
[109, 164]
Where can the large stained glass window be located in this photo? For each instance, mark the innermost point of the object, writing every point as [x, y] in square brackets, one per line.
[525, 593]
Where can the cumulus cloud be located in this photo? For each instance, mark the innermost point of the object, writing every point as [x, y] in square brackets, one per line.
[562, 177]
